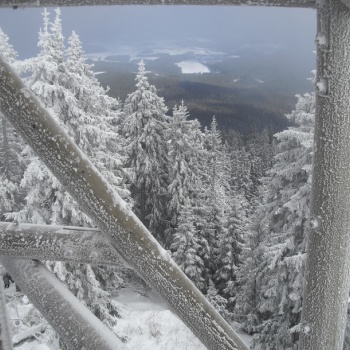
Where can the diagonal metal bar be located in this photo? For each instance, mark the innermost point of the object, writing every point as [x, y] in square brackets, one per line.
[48, 3]
[110, 213]
[58, 243]
[5, 338]
[78, 327]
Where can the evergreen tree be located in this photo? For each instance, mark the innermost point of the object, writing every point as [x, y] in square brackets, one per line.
[184, 142]
[186, 245]
[216, 191]
[81, 106]
[144, 126]
[232, 242]
[282, 234]
[10, 147]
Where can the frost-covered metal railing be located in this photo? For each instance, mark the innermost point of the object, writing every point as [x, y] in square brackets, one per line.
[127, 236]
[327, 281]
[5, 337]
[57, 243]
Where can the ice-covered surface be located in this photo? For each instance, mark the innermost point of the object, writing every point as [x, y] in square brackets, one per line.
[109, 212]
[5, 337]
[76, 325]
[146, 323]
[191, 67]
[59, 243]
[33, 346]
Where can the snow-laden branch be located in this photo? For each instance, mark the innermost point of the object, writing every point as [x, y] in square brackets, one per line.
[5, 338]
[28, 334]
[59, 243]
[49, 3]
[74, 322]
[111, 214]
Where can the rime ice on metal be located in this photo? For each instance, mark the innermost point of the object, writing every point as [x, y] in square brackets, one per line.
[327, 277]
[5, 338]
[74, 322]
[49, 3]
[125, 231]
[59, 243]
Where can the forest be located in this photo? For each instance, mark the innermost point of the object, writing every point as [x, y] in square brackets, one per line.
[232, 209]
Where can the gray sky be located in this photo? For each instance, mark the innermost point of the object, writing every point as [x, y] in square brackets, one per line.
[109, 27]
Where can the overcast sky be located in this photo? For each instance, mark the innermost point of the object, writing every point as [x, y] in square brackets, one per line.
[109, 27]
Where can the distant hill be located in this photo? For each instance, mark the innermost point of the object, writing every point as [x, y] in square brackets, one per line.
[240, 91]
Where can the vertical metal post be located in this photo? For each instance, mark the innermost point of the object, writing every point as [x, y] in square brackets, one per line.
[5, 338]
[327, 275]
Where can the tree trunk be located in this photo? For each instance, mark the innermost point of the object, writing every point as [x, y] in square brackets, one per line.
[327, 276]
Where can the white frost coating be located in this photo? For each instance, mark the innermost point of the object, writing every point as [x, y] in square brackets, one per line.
[129, 237]
[76, 325]
[5, 338]
[327, 278]
[305, 328]
[321, 40]
[315, 223]
[59, 243]
[51, 3]
[322, 86]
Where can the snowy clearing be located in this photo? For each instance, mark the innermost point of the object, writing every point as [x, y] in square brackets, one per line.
[192, 67]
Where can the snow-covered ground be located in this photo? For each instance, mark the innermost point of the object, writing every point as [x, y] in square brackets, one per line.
[191, 67]
[146, 323]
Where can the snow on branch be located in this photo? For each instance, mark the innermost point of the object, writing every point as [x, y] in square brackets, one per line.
[111, 214]
[59, 243]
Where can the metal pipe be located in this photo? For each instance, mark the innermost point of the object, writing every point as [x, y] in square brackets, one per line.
[111, 214]
[5, 337]
[61, 3]
[58, 243]
[327, 275]
[74, 322]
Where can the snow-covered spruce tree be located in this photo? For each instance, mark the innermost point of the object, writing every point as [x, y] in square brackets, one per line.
[212, 205]
[10, 147]
[217, 189]
[144, 127]
[185, 151]
[186, 245]
[60, 87]
[282, 234]
[229, 253]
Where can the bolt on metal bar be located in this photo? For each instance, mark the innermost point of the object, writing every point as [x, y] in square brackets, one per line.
[58, 243]
[74, 322]
[111, 214]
